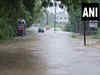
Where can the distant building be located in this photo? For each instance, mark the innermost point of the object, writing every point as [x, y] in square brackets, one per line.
[61, 18]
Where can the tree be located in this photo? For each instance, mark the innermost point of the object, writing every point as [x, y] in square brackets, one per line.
[12, 10]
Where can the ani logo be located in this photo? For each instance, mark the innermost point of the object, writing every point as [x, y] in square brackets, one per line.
[90, 11]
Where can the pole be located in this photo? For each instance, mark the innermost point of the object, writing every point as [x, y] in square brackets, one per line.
[55, 16]
[84, 33]
[47, 17]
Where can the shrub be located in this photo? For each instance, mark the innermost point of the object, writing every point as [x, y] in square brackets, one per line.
[97, 36]
[7, 30]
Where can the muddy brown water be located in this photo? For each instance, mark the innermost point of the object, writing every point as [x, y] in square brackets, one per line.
[48, 54]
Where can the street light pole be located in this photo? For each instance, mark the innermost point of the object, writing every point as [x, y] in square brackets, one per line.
[55, 16]
[47, 17]
[47, 22]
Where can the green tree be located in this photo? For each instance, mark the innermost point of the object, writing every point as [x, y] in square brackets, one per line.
[12, 10]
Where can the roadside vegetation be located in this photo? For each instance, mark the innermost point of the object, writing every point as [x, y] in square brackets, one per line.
[97, 35]
[12, 10]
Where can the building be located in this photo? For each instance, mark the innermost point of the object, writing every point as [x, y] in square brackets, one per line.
[62, 18]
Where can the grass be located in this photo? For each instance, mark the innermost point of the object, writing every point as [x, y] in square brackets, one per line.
[96, 37]
[74, 36]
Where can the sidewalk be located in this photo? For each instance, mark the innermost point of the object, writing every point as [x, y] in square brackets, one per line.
[91, 43]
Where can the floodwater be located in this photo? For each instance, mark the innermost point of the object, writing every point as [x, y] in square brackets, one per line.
[51, 53]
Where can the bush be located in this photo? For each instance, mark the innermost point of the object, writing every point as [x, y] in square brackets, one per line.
[7, 30]
[74, 36]
[97, 36]
[69, 28]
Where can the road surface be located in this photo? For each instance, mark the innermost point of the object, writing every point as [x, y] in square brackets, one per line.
[51, 53]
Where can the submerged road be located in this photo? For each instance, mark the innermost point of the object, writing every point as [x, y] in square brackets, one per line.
[51, 53]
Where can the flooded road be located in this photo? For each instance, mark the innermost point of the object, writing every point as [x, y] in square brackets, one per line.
[51, 53]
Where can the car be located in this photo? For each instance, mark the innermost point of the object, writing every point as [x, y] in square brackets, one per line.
[41, 30]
